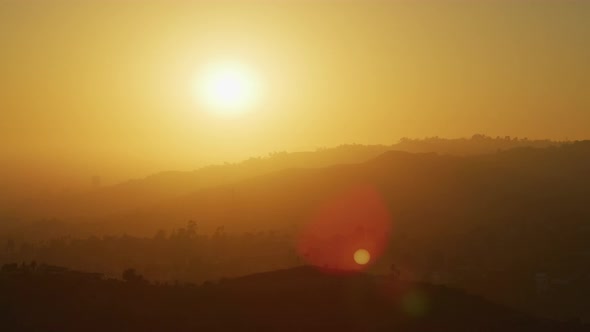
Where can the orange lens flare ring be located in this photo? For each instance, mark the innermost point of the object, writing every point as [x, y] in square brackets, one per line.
[347, 232]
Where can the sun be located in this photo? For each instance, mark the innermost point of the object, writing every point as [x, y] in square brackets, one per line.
[228, 88]
[362, 256]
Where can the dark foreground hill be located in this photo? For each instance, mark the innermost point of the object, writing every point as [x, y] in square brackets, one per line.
[300, 299]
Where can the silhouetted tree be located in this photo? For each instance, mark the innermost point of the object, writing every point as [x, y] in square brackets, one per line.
[10, 245]
[131, 276]
[191, 229]
[160, 235]
[395, 272]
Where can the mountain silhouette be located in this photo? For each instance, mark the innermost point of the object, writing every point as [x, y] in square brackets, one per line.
[86, 206]
[288, 300]
[452, 189]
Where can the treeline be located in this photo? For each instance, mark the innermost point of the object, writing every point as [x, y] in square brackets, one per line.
[183, 255]
[477, 144]
[542, 269]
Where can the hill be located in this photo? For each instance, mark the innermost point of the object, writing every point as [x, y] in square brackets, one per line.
[26, 202]
[539, 183]
[290, 300]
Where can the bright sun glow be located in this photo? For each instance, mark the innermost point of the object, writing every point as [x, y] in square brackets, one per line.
[362, 256]
[228, 88]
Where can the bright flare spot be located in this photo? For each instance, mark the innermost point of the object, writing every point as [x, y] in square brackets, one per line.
[362, 256]
[227, 88]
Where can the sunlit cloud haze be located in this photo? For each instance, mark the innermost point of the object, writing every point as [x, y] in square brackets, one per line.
[108, 87]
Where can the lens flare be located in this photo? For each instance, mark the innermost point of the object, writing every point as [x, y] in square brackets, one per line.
[347, 230]
[362, 256]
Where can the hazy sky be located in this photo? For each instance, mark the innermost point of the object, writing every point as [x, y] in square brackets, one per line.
[97, 87]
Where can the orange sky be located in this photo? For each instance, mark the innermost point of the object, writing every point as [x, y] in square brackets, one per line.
[105, 87]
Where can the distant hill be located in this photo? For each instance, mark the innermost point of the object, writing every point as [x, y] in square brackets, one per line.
[538, 182]
[299, 299]
[18, 204]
